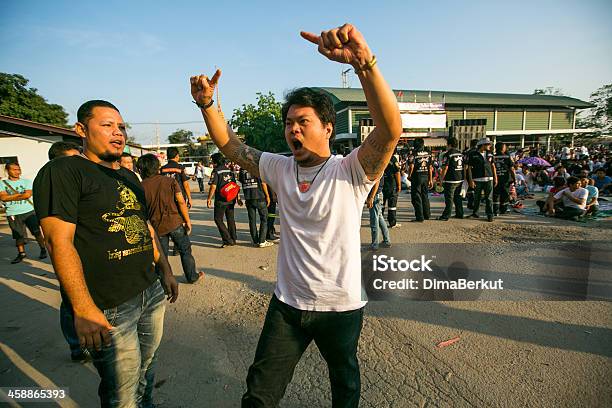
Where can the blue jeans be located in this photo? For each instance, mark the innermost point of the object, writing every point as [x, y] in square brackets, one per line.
[378, 220]
[183, 245]
[286, 334]
[126, 367]
[253, 208]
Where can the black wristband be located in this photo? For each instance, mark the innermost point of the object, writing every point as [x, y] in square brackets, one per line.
[204, 107]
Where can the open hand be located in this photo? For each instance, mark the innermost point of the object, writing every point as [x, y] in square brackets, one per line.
[344, 44]
[170, 286]
[203, 88]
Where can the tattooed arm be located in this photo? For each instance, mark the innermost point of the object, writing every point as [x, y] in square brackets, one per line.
[202, 90]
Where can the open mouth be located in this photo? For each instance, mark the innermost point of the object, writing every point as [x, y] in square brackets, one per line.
[297, 145]
[117, 144]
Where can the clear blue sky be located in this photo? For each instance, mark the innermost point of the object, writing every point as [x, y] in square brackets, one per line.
[139, 55]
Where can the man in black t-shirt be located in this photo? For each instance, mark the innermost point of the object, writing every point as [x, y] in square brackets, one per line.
[221, 176]
[93, 214]
[176, 170]
[452, 177]
[505, 177]
[257, 200]
[482, 177]
[420, 174]
[391, 188]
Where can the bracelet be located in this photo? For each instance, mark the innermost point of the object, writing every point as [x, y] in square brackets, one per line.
[204, 107]
[368, 66]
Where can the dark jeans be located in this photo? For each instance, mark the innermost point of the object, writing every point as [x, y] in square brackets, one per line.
[452, 194]
[183, 245]
[390, 199]
[569, 212]
[253, 208]
[67, 324]
[420, 198]
[286, 333]
[487, 188]
[501, 196]
[228, 234]
[201, 184]
[271, 220]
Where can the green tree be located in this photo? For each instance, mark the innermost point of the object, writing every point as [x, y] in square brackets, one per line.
[600, 116]
[549, 90]
[181, 136]
[261, 124]
[19, 101]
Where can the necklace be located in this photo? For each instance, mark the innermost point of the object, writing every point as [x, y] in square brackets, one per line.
[304, 186]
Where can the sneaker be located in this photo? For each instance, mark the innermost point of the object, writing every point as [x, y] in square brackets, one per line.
[200, 276]
[489, 218]
[19, 257]
[459, 217]
[224, 245]
[43, 253]
[474, 215]
[265, 244]
[274, 239]
[373, 247]
[442, 218]
[395, 226]
[385, 244]
[417, 220]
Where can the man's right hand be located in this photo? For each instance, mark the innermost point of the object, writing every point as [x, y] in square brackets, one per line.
[472, 184]
[187, 226]
[370, 202]
[209, 203]
[203, 88]
[92, 329]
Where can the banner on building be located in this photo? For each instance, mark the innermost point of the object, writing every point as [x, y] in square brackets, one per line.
[420, 106]
[423, 120]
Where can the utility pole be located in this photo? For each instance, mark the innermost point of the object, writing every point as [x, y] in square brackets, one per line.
[345, 79]
[157, 135]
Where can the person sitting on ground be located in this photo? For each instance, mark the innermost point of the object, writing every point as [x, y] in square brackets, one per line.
[592, 204]
[601, 181]
[547, 206]
[574, 199]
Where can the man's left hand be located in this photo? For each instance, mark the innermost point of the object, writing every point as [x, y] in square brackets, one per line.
[344, 44]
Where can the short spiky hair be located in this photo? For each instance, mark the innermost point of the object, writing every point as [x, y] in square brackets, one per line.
[86, 109]
[319, 101]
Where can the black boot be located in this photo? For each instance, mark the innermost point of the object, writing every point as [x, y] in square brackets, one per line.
[19, 258]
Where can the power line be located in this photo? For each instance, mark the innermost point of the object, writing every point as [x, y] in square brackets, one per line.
[164, 123]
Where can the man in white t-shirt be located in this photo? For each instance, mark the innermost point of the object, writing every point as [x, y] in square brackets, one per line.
[321, 197]
[574, 199]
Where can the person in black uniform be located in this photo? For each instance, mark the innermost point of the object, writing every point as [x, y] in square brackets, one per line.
[391, 188]
[452, 177]
[466, 156]
[420, 175]
[220, 176]
[174, 169]
[482, 177]
[257, 200]
[505, 177]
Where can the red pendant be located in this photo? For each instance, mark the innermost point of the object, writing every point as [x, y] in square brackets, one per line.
[304, 186]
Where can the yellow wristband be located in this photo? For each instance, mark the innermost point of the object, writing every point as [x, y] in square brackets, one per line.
[368, 66]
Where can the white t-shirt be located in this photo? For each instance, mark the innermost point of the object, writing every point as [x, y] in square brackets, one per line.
[319, 259]
[580, 193]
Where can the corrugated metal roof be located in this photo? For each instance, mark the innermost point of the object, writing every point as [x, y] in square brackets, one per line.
[356, 95]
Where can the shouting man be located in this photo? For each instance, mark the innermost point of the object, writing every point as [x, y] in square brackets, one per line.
[321, 197]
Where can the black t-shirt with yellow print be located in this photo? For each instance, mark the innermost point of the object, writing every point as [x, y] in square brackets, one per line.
[108, 208]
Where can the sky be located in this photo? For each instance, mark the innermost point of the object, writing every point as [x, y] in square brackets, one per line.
[140, 55]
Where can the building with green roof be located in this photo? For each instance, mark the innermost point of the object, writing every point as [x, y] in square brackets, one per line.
[516, 119]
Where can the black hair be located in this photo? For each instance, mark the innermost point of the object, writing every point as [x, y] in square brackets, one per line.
[126, 154]
[86, 110]
[59, 149]
[572, 180]
[419, 143]
[558, 182]
[12, 163]
[218, 159]
[172, 152]
[148, 165]
[473, 142]
[451, 141]
[498, 147]
[319, 101]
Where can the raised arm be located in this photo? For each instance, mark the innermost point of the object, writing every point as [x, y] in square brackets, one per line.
[202, 91]
[346, 45]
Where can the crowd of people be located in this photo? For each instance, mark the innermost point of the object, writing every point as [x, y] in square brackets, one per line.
[113, 293]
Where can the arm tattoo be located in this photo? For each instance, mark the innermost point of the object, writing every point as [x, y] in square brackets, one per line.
[375, 155]
[247, 157]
